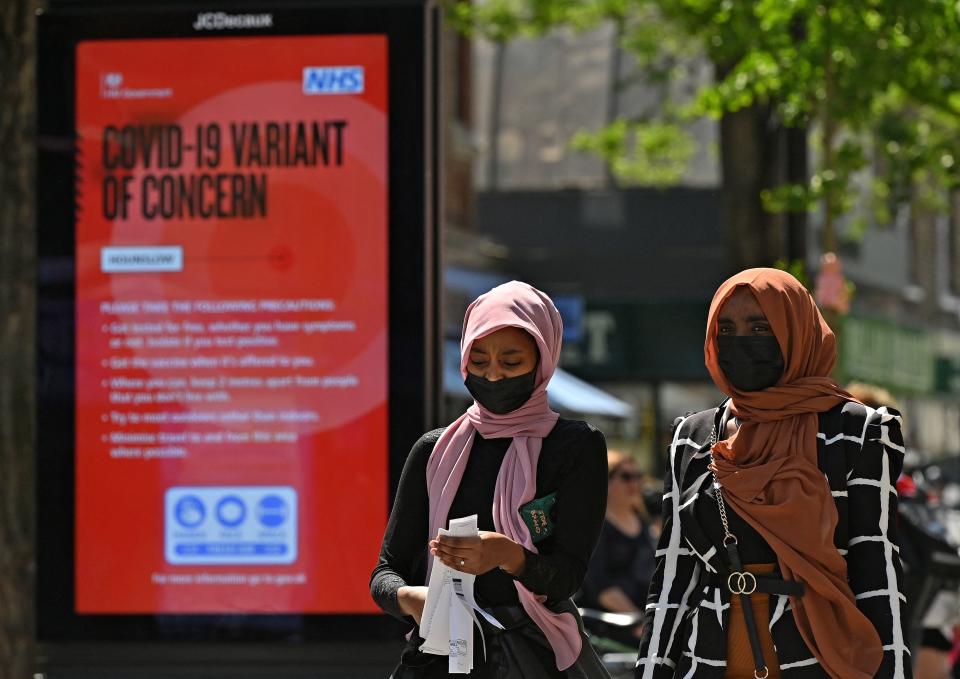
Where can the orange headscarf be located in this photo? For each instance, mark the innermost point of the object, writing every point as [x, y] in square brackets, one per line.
[768, 469]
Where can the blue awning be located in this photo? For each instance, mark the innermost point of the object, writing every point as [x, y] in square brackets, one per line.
[565, 392]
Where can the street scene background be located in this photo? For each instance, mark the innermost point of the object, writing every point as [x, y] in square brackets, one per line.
[626, 156]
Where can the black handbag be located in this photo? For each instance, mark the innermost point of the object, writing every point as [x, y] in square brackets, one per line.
[519, 651]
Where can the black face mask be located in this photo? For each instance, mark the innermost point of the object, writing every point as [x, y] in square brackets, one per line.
[502, 396]
[750, 363]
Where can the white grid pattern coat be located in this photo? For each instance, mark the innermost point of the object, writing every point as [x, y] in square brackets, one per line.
[860, 451]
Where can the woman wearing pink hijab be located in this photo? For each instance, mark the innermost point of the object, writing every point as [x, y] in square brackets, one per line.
[536, 482]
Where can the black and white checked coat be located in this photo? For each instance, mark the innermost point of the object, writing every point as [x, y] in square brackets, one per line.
[860, 451]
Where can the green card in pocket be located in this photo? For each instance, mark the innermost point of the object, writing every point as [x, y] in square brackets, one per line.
[537, 514]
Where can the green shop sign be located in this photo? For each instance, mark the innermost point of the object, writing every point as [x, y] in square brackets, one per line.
[898, 357]
[948, 374]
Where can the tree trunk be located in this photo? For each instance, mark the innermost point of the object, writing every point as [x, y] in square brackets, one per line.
[752, 151]
[923, 255]
[797, 172]
[496, 96]
[17, 314]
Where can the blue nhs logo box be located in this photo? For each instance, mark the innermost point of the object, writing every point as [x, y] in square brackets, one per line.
[333, 80]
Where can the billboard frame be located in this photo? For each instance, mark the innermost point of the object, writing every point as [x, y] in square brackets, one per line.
[413, 219]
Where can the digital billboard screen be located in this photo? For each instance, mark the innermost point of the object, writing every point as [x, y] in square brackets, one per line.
[236, 313]
[231, 323]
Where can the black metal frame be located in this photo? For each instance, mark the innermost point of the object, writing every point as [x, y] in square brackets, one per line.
[411, 29]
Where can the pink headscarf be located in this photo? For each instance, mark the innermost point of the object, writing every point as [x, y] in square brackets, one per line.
[517, 305]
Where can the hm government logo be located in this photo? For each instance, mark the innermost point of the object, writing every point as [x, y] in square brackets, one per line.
[113, 80]
[110, 84]
[333, 80]
[113, 86]
[221, 21]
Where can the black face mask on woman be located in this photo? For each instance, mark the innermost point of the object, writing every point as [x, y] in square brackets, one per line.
[750, 363]
[502, 396]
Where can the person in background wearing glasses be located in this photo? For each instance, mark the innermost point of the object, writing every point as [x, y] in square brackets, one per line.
[779, 553]
[621, 567]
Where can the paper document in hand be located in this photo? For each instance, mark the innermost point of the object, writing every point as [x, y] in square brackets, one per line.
[431, 628]
[450, 610]
[435, 623]
[461, 630]
[440, 575]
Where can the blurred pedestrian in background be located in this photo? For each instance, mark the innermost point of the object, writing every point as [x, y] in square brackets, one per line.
[621, 567]
[778, 551]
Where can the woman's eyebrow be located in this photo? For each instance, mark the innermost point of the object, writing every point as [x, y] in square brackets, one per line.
[478, 350]
[756, 318]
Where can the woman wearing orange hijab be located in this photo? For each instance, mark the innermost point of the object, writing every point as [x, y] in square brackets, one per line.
[778, 556]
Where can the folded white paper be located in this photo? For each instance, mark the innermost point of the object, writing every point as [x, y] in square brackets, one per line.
[450, 611]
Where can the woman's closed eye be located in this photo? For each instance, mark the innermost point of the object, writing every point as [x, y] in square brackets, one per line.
[505, 364]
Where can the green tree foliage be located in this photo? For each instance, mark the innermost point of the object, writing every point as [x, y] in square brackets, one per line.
[877, 79]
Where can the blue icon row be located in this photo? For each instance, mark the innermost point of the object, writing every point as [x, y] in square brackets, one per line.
[272, 511]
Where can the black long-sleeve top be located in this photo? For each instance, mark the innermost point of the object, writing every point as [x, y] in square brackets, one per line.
[573, 463]
[621, 560]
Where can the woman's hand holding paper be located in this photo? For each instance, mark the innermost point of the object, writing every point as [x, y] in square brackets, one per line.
[480, 554]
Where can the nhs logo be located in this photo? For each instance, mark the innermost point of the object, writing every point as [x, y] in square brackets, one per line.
[333, 80]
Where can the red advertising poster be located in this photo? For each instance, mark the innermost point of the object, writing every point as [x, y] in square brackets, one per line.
[231, 346]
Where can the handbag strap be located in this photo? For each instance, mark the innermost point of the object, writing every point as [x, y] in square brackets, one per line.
[740, 582]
